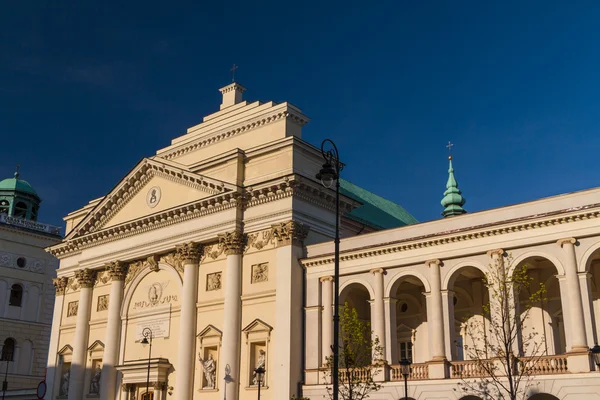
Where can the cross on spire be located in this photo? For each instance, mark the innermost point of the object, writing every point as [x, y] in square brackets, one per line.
[233, 72]
[449, 146]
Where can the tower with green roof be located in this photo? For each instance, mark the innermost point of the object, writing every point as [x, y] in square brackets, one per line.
[18, 198]
[453, 199]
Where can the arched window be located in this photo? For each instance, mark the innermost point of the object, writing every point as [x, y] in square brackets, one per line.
[34, 212]
[20, 210]
[16, 295]
[8, 350]
[4, 206]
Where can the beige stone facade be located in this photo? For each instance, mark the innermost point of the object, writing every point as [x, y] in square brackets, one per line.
[217, 253]
[26, 302]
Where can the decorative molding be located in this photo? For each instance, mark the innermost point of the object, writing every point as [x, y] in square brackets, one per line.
[152, 263]
[60, 284]
[266, 238]
[85, 277]
[102, 278]
[496, 252]
[173, 260]
[326, 279]
[213, 251]
[72, 284]
[102, 303]
[233, 242]
[377, 271]
[435, 261]
[561, 242]
[459, 235]
[72, 308]
[260, 273]
[222, 135]
[291, 232]
[189, 253]
[213, 281]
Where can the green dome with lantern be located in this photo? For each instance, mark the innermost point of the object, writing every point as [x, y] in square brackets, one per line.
[18, 199]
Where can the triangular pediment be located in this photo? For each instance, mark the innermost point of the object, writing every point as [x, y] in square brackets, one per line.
[96, 346]
[257, 326]
[150, 188]
[67, 349]
[210, 331]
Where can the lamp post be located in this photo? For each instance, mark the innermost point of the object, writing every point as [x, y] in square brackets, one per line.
[147, 333]
[596, 355]
[405, 368]
[260, 374]
[328, 174]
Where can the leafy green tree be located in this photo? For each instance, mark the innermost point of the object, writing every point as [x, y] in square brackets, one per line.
[360, 358]
[498, 341]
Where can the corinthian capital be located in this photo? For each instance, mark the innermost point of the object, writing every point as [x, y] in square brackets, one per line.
[290, 232]
[189, 253]
[117, 270]
[233, 242]
[60, 284]
[85, 277]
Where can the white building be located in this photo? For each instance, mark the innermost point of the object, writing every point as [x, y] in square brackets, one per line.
[26, 291]
[219, 245]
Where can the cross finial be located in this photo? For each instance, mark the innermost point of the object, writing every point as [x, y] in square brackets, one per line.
[449, 146]
[17, 172]
[233, 72]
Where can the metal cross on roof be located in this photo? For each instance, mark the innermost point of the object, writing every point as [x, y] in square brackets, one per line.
[449, 146]
[233, 72]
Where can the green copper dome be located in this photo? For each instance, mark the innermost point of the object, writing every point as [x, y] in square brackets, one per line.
[18, 199]
[453, 200]
[17, 185]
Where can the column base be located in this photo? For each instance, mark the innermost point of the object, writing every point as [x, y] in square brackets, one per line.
[579, 360]
[438, 369]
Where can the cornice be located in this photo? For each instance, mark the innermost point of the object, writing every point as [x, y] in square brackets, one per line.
[249, 125]
[458, 235]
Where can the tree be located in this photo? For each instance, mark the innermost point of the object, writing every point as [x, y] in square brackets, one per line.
[360, 357]
[498, 341]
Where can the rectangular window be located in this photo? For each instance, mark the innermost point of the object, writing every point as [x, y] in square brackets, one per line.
[406, 351]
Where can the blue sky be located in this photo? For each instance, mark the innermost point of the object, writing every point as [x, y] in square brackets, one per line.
[89, 88]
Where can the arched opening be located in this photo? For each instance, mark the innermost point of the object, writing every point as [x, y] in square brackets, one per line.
[148, 396]
[471, 319]
[16, 295]
[543, 396]
[410, 330]
[543, 332]
[8, 350]
[470, 398]
[357, 296]
[20, 210]
[4, 206]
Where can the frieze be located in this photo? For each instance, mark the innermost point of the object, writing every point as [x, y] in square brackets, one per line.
[136, 267]
[260, 240]
[72, 284]
[102, 278]
[21, 262]
[213, 251]
[173, 260]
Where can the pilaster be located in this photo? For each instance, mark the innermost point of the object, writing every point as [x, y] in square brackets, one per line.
[378, 312]
[60, 284]
[326, 317]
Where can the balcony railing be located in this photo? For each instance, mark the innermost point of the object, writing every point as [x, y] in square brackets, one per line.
[469, 369]
[546, 365]
[358, 375]
[417, 372]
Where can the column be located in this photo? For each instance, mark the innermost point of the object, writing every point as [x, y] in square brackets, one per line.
[159, 388]
[391, 336]
[436, 327]
[576, 321]
[449, 324]
[233, 244]
[564, 304]
[189, 255]
[85, 278]
[108, 380]
[286, 370]
[377, 309]
[60, 284]
[327, 317]
[585, 283]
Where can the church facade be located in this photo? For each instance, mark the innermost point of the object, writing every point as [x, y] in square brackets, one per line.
[213, 258]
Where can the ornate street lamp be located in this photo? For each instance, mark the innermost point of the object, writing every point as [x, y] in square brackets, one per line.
[405, 369]
[596, 355]
[260, 374]
[147, 340]
[328, 174]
